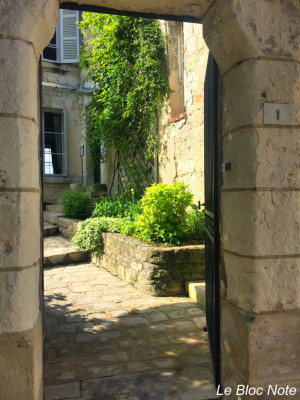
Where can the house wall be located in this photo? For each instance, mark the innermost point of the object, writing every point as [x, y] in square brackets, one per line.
[256, 45]
[181, 134]
[73, 102]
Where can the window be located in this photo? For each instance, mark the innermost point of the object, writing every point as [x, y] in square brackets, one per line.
[54, 142]
[64, 46]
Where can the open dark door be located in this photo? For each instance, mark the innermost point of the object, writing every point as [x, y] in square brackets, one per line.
[212, 241]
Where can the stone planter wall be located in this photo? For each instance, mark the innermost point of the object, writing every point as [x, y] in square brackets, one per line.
[160, 271]
[68, 227]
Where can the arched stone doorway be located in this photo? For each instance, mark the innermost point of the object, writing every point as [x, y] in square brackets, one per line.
[256, 45]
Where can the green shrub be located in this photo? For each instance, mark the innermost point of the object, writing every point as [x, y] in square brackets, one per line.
[118, 207]
[164, 215]
[89, 234]
[196, 224]
[75, 203]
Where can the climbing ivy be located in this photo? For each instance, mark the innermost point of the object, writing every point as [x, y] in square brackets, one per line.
[125, 58]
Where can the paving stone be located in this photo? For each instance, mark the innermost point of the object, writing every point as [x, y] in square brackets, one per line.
[84, 338]
[165, 363]
[105, 371]
[57, 341]
[88, 300]
[137, 367]
[103, 306]
[97, 316]
[176, 314]
[109, 335]
[127, 344]
[66, 390]
[119, 313]
[114, 357]
[184, 325]
[65, 376]
[74, 318]
[68, 328]
[111, 297]
[51, 321]
[158, 341]
[158, 316]
[195, 311]
[135, 321]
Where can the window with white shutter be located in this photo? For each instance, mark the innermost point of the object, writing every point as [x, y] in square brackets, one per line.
[69, 29]
[64, 46]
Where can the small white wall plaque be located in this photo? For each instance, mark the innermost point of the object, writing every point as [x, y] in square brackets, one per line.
[277, 114]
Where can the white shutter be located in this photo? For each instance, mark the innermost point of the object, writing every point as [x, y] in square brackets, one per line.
[69, 33]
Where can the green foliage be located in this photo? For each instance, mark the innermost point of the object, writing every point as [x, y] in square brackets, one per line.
[196, 224]
[164, 215]
[125, 58]
[165, 219]
[75, 203]
[89, 234]
[118, 207]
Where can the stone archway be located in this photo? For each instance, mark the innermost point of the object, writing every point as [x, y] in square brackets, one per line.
[256, 44]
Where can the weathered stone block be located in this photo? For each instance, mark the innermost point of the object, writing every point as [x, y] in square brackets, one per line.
[253, 222]
[19, 291]
[260, 285]
[274, 159]
[21, 364]
[20, 226]
[26, 172]
[250, 346]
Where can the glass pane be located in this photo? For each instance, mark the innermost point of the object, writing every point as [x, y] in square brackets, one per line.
[50, 52]
[53, 163]
[52, 122]
[54, 141]
[53, 40]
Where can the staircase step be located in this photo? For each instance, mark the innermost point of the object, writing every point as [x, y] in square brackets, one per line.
[196, 291]
[58, 250]
[52, 217]
[50, 230]
[53, 207]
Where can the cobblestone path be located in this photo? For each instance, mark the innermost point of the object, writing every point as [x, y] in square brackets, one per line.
[105, 340]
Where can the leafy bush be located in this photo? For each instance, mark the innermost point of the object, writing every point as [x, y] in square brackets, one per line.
[164, 215]
[89, 234]
[196, 223]
[118, 207]
[165, 218]
[75, 203]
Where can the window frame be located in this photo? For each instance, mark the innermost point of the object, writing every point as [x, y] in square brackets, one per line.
[64, 134]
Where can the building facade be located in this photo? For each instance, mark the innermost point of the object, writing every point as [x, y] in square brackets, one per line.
[65, 97]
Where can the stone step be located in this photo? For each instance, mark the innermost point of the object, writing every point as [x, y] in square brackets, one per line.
[58, 250]
[52, 217]
[50, 230]
[196, 291]
[53, 207]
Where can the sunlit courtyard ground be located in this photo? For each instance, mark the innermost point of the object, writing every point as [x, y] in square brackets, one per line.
[105, 339]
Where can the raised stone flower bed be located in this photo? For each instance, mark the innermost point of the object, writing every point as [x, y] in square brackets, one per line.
[157, 270]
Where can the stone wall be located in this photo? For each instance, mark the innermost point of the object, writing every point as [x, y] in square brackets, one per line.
[181, 134]
[68, 227]
[160, 271]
